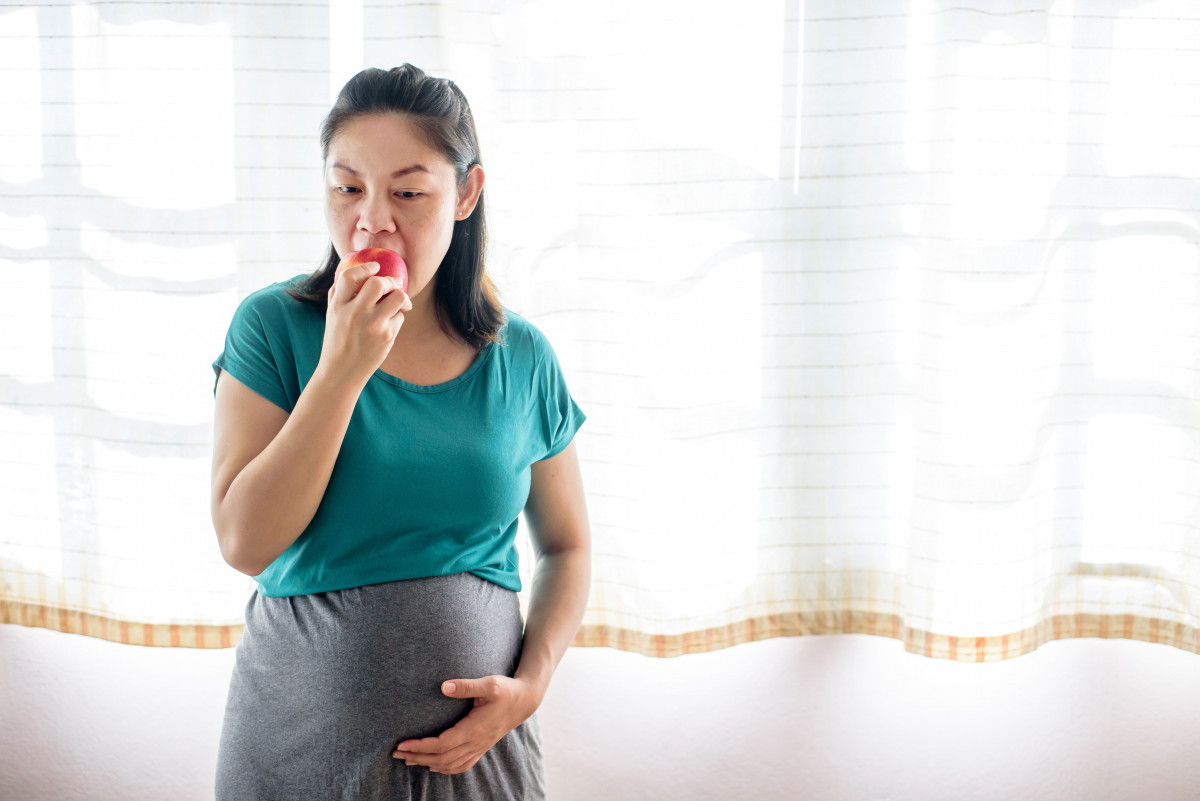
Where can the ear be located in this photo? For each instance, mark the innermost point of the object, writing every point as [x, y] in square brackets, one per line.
[468, 195]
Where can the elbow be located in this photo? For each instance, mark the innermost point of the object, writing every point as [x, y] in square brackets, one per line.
[577, 555]
[250, 566]
[236, 556]
[236, 550]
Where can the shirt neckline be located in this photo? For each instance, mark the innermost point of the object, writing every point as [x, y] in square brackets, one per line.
[480, 359]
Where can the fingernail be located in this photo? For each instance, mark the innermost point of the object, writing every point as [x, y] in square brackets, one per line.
[448, 687]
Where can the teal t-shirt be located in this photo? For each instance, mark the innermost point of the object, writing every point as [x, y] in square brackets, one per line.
[430, 480]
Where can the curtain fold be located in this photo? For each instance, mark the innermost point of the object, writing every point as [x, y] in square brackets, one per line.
[884, 316]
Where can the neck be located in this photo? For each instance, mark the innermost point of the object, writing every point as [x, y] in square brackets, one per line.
[421, 324]
[423, 352]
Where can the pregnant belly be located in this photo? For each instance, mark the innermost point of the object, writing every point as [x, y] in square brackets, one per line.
[365, 666]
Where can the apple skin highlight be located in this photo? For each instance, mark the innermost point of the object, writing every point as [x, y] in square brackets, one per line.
[389, 261]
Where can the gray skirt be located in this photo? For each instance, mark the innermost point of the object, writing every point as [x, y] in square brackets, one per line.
[324, 687]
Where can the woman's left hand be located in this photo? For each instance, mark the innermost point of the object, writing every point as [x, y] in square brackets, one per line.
[501, 704]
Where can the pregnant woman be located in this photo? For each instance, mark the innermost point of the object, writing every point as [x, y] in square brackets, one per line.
[373, 450]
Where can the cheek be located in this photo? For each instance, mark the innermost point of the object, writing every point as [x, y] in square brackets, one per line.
[429, 238]
[339, 221]
[430, 217]
[436, 227]
[445, 233]
[337, 209]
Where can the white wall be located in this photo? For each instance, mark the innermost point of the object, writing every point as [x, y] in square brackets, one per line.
[829, 718]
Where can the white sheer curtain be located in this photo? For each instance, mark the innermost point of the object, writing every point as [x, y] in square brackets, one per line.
[884, 314]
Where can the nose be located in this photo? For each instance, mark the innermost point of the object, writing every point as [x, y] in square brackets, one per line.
[375, 215]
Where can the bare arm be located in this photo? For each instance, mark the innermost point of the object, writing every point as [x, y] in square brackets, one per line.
[557, 515]
[270, 468]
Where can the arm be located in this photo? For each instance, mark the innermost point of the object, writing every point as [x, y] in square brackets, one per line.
[270, 468]
[557, 516]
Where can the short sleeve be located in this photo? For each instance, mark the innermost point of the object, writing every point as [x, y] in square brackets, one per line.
[561, 416]
[250, 355]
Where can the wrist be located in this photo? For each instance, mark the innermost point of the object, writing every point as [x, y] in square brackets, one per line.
[535, 693]
[335, 384]
[537, 682]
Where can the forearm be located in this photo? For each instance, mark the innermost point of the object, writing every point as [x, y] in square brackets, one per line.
[557, 603]
[275, 496]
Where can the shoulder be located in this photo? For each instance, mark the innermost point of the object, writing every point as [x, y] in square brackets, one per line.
[273, 343]
[275, 298]
[525, 349]
[520, 335]
[273, 306]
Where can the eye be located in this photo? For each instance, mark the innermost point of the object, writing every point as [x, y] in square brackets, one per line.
[345, 190]
[409, 194]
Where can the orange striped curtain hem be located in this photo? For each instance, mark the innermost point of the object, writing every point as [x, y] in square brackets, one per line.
[126, 632]
[924, 643]
[993, 648]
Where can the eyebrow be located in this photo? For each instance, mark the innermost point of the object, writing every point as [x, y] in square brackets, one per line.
[396, 174]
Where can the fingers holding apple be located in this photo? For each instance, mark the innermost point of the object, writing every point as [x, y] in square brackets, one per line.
[391, 265]
[364, 315]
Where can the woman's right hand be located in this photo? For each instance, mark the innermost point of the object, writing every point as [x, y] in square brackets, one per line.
[363, 317]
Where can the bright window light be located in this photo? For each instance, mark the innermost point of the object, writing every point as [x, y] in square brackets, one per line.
[154, 111]
[21, 99]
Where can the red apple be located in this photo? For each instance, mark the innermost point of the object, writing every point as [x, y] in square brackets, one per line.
[390, 264]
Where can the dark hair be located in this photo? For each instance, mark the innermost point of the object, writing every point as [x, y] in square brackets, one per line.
[464, 296]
